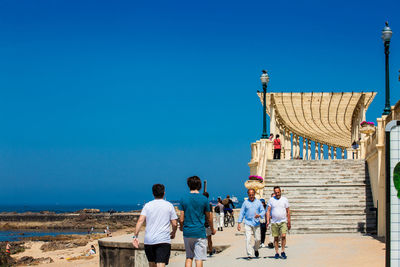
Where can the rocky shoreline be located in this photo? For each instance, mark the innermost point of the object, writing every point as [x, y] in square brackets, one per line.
[47, 244]
[63, 221]
[35, 250]
[60, 250]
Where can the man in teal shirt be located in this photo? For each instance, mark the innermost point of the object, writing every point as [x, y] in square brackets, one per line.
[194, 210]
[251, 212]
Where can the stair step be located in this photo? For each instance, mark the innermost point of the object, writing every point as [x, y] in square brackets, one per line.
[325, 196]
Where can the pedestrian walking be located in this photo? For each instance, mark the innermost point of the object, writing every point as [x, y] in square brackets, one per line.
[219, 211]
[8, 248]
[194, 211]
[279, 211]
[159, 215]
[263, 225]
[208, 229]
[277, 147]
[270, 237]
[250, 213]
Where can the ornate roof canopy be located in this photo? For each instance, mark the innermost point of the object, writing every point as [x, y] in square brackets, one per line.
[326, 118]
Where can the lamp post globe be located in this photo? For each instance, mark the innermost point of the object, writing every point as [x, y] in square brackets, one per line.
[264, 81]
[386, 36]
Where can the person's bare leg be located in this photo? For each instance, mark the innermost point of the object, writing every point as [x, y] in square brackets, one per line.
[209, 244]
[276, 244]
[188, 262]
[199, 263]
[152, 264]
[160, 264]
[283, 242]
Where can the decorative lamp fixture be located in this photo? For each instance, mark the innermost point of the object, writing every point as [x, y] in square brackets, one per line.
[386, 36]
[264, 81]
[386, 33]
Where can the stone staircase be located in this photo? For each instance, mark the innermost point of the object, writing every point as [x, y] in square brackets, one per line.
[325, 196]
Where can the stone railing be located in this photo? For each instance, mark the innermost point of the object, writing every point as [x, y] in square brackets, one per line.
[261, 151]
[369, 145]
[373, 151]
[296, 147]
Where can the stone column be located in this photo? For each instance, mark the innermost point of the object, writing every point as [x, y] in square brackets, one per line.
[254, 152]
[304, 149]
[334, 153]
[272, 122]
[308, 149]
[342, 152]
[283, 140]
[297, 146]
[288, 145]
[329, 152]
[316, 151]
[380, 132]
[350, 153]
[270, 150]
[322, 152]
[294, 147]
[363, 149]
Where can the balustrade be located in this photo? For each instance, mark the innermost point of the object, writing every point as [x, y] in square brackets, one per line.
[293, 149]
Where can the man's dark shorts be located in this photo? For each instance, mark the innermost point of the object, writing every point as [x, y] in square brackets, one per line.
[158, 253]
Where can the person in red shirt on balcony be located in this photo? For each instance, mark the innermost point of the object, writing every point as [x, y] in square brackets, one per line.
[277, 147]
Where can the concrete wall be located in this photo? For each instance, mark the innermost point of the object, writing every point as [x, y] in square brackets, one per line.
[118, 251]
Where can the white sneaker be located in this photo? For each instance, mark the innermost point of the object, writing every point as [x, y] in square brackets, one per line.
[262, 245]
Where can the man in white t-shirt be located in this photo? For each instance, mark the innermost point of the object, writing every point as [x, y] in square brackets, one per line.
[279, 216]
[159, 216]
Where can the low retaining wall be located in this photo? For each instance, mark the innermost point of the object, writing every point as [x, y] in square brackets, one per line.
[119, 251]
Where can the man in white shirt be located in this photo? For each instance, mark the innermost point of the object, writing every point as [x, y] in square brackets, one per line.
[159, 216]
[279, 216]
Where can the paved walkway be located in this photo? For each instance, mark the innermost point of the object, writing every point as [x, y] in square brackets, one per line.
[302, 250]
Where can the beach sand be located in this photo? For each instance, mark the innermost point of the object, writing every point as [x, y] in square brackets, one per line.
[67, 257]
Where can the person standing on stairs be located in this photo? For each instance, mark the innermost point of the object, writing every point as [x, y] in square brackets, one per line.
[279, 211]
[277, 147]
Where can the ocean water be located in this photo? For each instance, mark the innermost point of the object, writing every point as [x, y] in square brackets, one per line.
[68, 208]
[19, 234]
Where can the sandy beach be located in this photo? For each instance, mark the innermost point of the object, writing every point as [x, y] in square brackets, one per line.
[66, 257]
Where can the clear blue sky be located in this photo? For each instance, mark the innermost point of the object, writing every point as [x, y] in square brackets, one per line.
[101, 99]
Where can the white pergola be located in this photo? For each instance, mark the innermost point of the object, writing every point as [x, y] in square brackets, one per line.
[332, 119]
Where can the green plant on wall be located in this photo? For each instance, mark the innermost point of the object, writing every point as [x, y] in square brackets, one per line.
[396, 178]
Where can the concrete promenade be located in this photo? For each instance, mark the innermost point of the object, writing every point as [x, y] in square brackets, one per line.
[302, 250]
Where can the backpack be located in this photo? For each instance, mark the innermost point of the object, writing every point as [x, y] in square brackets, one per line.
[216, 209]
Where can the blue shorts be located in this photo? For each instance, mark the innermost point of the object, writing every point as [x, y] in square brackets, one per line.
[228, 210]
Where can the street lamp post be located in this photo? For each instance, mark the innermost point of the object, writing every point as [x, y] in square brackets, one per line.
[264, 81]
[386, 36]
